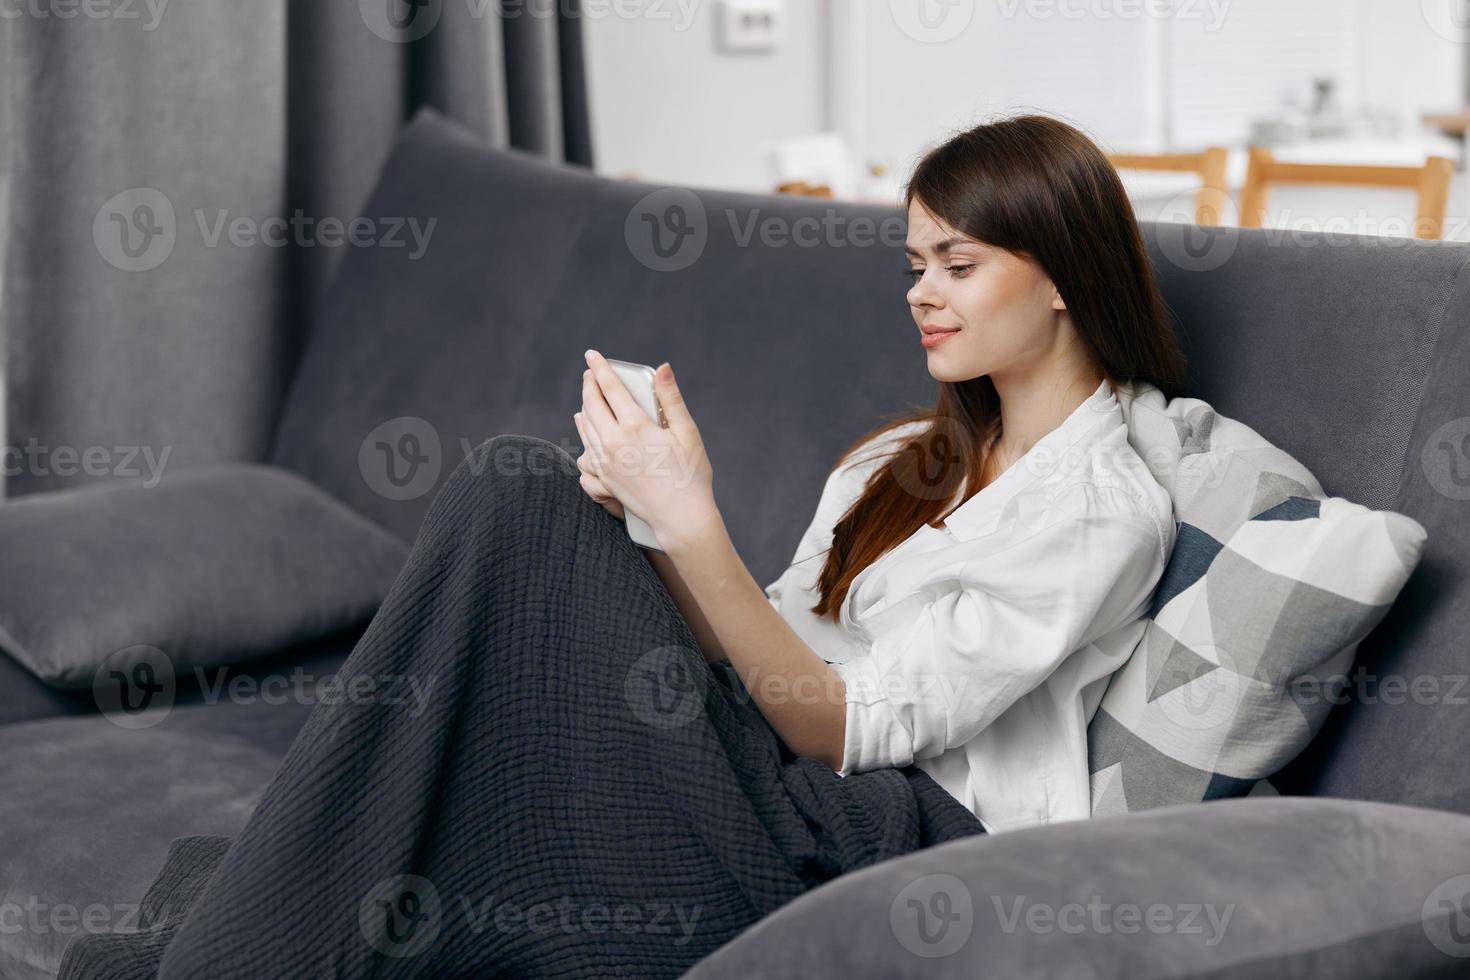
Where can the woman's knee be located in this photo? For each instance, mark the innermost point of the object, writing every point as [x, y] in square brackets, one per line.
[513, 466]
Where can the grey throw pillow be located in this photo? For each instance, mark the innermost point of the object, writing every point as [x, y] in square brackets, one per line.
[211, 567]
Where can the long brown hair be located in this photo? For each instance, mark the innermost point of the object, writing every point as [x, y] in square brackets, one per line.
[1039, 188]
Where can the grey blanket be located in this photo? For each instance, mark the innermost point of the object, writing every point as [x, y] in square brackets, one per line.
[579, 794]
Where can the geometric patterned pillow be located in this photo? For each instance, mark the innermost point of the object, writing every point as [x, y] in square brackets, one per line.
[1256, 621]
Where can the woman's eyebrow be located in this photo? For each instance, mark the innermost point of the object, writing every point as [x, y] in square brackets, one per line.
[941, 246]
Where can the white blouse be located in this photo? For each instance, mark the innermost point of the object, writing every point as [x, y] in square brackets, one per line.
[979, 650]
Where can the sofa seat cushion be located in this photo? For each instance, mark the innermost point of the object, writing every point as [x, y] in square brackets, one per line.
[1228, 890]
[88, 808]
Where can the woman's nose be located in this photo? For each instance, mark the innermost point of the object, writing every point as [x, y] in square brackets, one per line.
[923, 294]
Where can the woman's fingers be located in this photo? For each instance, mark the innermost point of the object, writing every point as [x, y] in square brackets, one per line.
[595, 408]
[672, 401]
[622, 404]
[591, 482]
[594, 455]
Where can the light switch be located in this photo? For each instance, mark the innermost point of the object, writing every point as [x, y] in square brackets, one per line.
[751, 25]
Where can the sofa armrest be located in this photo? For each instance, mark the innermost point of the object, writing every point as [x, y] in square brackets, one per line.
[213, 566]
[1276, 887]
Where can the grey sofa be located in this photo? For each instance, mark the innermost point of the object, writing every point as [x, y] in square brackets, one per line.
[785, 319]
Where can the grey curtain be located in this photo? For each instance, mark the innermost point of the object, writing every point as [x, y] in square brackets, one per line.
[176, 182]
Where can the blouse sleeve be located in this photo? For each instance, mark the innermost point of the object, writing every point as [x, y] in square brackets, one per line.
[997, 628]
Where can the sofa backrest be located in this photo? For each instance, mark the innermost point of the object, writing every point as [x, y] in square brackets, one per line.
[785, 319]
[784, 350]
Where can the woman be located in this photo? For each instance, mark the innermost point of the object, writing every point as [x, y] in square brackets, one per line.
[630, 757]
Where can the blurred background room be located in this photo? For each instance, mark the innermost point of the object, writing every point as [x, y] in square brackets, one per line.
[844, 95]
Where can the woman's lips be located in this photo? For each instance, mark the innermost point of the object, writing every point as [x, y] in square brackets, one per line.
[937, 337]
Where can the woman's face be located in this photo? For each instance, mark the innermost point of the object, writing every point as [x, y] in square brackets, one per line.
[1003, 308]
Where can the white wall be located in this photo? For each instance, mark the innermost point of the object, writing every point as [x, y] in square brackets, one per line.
[1409, 67]
[667, 106]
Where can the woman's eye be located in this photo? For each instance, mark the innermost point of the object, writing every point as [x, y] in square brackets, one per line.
[957, 271]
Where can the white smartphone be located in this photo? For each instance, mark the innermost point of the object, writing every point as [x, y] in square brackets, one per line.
[638, 379]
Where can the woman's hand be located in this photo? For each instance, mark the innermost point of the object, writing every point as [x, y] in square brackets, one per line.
[661, 474]
[595, 488]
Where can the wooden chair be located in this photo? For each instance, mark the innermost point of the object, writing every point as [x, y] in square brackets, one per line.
[802, 187]
[1431, 180]
[1209, 202]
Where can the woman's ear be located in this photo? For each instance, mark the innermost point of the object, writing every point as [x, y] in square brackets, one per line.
[1057, 303]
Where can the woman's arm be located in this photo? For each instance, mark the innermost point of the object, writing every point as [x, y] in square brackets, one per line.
[802, 697]
[709, 643]
[665, 472]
